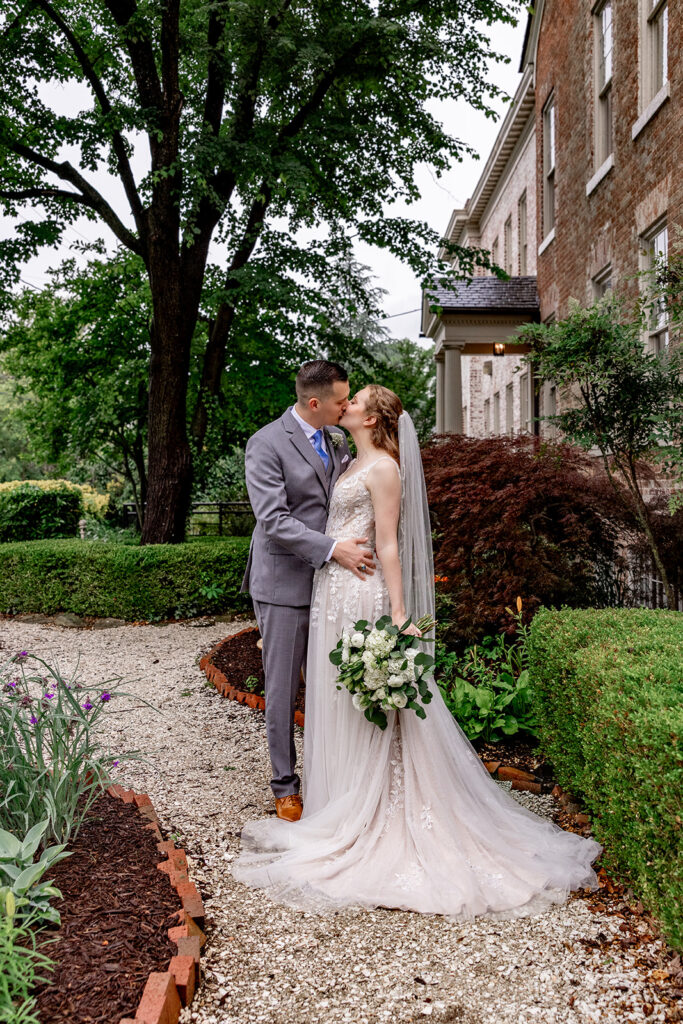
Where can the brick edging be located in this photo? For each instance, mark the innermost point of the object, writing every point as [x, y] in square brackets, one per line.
[225, 687]
[166, 992]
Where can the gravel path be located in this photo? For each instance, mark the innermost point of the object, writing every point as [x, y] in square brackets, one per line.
[207, 772]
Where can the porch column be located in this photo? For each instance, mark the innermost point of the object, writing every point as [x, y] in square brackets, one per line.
[453, 389]
[439, 395]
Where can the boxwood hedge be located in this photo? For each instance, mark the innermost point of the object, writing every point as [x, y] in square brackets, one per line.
[609, 693]
[123, 581]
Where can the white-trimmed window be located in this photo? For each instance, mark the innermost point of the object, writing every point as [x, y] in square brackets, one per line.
[496, 413]
[602, 282]
[654, 247]
[523, 242]
[655, 50]
[507, 236]
[603, 82]
[509, 411]
[487, 417]
[524, 402]
[549, 166]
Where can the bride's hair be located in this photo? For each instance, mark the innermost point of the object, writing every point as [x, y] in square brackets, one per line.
[386, 406]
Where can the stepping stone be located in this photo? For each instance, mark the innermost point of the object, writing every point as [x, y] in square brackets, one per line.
[69, 620]
[108, 623]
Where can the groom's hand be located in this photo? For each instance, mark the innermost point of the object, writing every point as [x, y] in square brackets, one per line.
[351, 554]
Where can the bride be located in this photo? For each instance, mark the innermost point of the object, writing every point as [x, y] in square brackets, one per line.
[408, 817]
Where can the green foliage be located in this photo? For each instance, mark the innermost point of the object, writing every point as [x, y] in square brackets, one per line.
[488, 688]
[51, 763]
[23, 874]
[22, 966]
[78, 352]
[122, 580]
[609, 699]
[280, 134]
[29, 512]
[630, 400]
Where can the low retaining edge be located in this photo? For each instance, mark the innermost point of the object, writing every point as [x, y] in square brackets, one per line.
[167, 992]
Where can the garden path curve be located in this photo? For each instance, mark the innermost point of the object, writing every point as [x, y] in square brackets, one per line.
[207, 772]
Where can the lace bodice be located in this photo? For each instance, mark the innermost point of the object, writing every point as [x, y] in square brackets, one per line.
[351, 515]
[351, 511]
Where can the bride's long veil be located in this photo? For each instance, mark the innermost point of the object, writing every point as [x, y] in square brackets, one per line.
[415, 532]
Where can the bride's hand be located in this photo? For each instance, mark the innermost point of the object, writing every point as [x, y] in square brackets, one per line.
[410, 630]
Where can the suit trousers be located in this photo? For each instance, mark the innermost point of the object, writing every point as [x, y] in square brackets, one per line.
[285, 639]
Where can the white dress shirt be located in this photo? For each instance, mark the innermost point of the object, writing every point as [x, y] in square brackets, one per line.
[310, 433]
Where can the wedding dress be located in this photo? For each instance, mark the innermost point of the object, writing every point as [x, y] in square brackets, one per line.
[408, 817]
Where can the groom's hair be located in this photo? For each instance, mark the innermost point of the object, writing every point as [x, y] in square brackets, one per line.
[317, 378]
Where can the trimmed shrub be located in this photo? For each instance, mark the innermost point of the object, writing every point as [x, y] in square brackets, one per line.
[31, 513]
[517, 517]
[94, 503]
[609, 692]
[157, 581]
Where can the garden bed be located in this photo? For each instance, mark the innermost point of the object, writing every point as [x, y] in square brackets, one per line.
[235, 667]
[127, 945]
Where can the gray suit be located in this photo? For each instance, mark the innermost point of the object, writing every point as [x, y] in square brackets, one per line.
[290, 492]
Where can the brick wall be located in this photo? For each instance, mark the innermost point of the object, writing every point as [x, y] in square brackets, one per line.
[646, 181]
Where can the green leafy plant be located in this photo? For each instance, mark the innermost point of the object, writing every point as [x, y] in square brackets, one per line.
[488, 688]
[251, 683]
[22, 965]
[24, 874]
[51, 764]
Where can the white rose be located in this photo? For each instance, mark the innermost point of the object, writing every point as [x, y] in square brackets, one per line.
[356, 701]
[345, 655]
[395, 680]
[380, 694]
[357, 639]
[400, 700]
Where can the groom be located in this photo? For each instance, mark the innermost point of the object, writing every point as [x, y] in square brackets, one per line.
[291, 466]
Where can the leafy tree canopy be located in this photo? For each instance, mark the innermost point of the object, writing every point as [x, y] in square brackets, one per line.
[240, 124]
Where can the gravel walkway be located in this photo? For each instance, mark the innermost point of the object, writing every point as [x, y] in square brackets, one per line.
[208, 772]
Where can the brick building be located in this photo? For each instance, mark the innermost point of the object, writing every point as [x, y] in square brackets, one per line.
[581, 191]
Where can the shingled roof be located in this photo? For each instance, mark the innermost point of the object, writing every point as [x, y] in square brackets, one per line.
[516, 295]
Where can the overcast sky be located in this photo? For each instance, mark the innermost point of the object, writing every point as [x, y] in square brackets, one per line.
[438, 196]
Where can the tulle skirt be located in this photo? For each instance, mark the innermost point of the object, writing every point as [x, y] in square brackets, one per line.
[406, 818]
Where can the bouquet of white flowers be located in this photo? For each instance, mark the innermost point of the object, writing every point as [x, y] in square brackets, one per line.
[383, 667]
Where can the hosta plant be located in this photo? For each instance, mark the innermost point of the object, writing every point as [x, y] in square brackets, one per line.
[21, 876]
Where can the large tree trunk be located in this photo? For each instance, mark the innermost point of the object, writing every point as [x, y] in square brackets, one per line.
[169, 469]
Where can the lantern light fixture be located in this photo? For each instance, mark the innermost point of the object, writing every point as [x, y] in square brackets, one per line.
[499, 348]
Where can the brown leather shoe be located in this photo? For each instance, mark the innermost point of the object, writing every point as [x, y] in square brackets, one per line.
[289, 808]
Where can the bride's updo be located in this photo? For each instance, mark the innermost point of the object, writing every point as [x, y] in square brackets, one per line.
[386, 406]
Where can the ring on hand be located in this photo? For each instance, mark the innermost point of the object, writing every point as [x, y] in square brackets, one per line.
[362, 567]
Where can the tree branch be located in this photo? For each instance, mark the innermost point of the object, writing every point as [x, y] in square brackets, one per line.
[118, 142]
[43, 193]
[141, 55]
[89, 195]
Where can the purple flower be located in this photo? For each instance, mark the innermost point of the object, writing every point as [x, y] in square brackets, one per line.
[105, 697]
[33, 720]
[115, 764]
[49, 696]
[87, 706]
[21, 656]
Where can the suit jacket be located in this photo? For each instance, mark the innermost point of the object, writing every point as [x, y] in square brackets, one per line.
[290, 494]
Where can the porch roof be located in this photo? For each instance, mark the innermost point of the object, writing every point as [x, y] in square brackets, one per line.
[488, 295]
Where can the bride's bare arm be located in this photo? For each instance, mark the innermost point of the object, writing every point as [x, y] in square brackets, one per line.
[384, 484]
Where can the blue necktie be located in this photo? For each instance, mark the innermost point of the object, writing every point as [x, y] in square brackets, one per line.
[318, 445]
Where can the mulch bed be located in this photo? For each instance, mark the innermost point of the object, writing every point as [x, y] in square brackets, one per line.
[116, 913]
[239, 659]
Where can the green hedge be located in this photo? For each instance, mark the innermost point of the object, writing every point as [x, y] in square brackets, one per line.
[28, 512]
[123, 581]
[609, 692]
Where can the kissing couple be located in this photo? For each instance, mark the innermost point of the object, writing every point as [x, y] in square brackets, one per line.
[405, 817]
